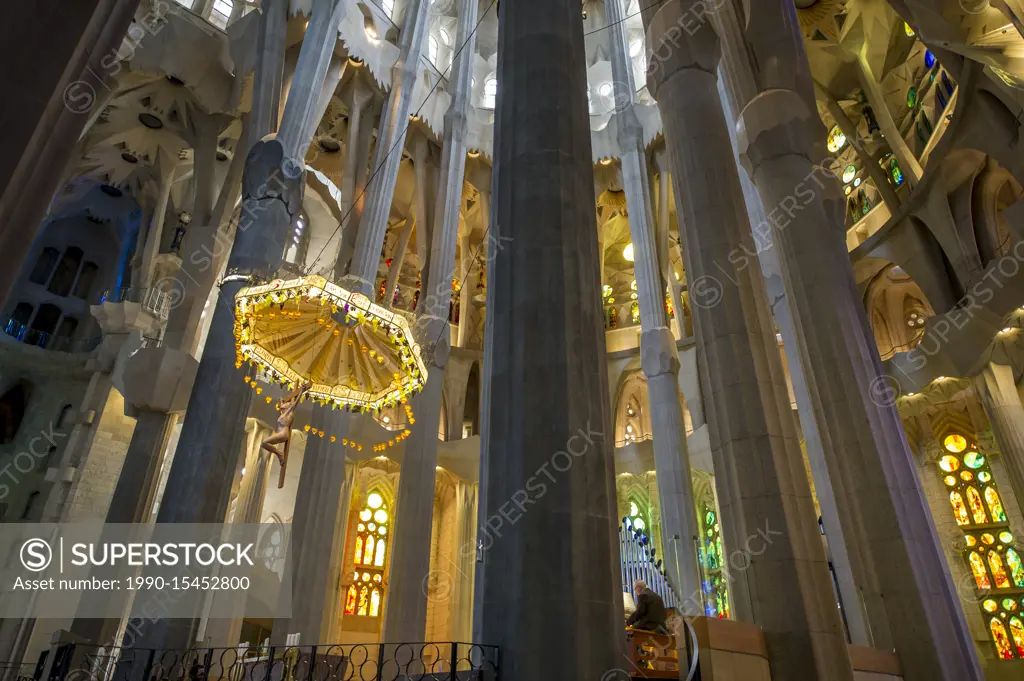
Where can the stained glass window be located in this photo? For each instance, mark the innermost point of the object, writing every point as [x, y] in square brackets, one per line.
[929, 59]
[897, 174]
[994, 562]
[998, 571]
[959, 508]
[912, 97]
[836, 139]
[995, 506]
[978, 570]
[715, 586]
[1016, 568]
[1000, 639]
[977, 508]
[849, 173]
[1017, 632]
[365, 595]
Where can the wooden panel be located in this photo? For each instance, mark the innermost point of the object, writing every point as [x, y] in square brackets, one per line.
[875, 660]
[736, 637]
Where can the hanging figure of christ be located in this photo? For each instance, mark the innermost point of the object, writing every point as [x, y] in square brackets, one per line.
[283, 434]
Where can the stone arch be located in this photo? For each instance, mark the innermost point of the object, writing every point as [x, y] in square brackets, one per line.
[994, 190]
[632, 410]
[914, 248]
[897, 310]
[471, 409]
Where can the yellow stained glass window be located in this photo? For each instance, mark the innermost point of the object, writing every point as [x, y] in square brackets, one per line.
[836, 139]
[1000, 639]
[375, 602]
[363, 593]
[366, 597]
[995, 562]
[1016, 568]
[977, 508]
[949, 463]
[955, 443]
[350, 600]
[978, 569]
[995, 505]
[959, 508]
[1017, 632]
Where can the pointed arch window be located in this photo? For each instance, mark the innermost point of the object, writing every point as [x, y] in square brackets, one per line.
[989, 549]
[365, 596]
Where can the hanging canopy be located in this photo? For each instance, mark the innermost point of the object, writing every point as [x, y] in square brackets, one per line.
[355, 353]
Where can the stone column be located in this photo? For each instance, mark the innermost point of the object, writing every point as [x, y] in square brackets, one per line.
[467, 275]
[156, 229]
[876, 99]
[548, 467]
[860, 596]
[253, 487]
[406, 612]
[200, 479]
[664, 231]
[768, 518]
[462, 563]
[999, 397]
[658, 354]
[353, 180]
[419, 149]
[394, 124]
[397, 260]
[318, 534]
[268, 76]
[861, 434]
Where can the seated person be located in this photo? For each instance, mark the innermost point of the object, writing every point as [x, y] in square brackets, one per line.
[650, 610]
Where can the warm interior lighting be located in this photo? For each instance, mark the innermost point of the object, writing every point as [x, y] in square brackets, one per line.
[627, 252]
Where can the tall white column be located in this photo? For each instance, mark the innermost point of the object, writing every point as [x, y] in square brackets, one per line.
[467, 276]
[658, 354]
[859, 595]
[759, 472]
[388, 154]
[397, 260]
[156, 228]
[405, 616]
[1005, 413]
[861, 434]
[462, 563]
[357, 151]
[664, 225]
[319, 530]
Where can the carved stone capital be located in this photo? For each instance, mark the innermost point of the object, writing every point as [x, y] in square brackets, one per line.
[158, 379]
[775, 123]
[658, 353]
[679, 37]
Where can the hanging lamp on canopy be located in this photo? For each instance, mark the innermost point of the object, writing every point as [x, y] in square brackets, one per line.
[357, 354]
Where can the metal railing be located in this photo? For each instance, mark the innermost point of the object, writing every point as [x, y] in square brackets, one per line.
[49, 341]
[342, 662]
[151, 299]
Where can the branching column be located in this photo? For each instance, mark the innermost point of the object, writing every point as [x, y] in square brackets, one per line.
[406, 612]
[658, 354]
[199, 483]
[387, 156]
[760, 477]
[862, 438]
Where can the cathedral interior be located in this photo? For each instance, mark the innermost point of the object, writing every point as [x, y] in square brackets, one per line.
[809, 442]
